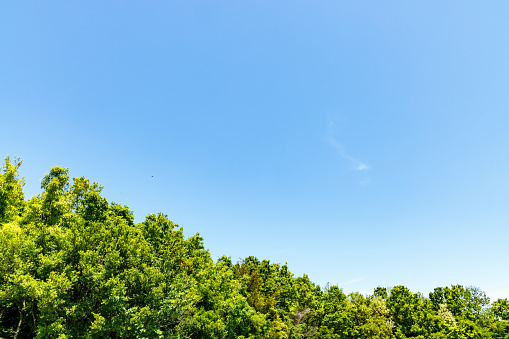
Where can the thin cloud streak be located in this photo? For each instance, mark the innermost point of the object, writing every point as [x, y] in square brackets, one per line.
[356, 164]
[351, 282]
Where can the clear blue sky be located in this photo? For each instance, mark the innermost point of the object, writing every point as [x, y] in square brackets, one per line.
[365, 143]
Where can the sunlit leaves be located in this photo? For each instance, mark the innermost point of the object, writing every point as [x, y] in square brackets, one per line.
[11, 190]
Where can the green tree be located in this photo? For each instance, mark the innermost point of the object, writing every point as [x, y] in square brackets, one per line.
[465, 302]
[500, 309]
[410, 313]
[11, 190]
[73, 265]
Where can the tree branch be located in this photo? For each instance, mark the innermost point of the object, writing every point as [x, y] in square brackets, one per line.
[20, 319]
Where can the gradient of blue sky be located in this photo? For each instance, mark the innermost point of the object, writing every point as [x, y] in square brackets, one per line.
[363, 142]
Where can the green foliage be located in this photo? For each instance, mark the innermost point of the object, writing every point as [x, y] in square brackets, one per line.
[73, 265]
[500, 309]
[466, 302]
[11, 190]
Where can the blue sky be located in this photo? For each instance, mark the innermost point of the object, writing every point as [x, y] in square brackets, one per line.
[364, 143]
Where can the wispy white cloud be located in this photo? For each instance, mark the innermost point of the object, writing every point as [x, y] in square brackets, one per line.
[351, 282]
[362, 167]
[355, 163]
[364, 181]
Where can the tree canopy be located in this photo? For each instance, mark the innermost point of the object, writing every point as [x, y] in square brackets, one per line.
[73, 265]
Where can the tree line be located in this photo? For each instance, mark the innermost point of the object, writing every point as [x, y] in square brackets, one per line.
[73, 265]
